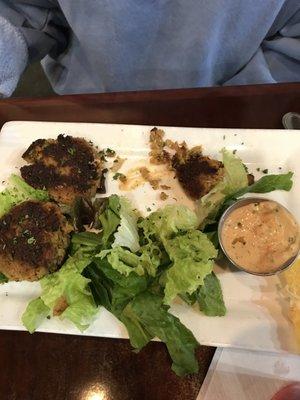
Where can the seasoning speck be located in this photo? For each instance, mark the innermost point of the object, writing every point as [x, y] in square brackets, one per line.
[31, 240]
[265, 171]
[102, 155]
[234, 151]
[118, 175]
[258, 169]
[149, 209]
[110, 153]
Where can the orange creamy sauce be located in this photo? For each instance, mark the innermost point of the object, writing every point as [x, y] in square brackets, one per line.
[260, 237]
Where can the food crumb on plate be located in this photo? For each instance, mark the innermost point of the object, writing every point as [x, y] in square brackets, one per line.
[117, 164]
[163, 196]
[165, 187]
[120, 176]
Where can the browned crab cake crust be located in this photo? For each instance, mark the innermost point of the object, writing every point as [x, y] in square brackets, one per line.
[34, 238]
[197, 174]
[66, 167]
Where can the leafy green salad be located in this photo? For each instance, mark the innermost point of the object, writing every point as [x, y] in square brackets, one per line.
[137, 266]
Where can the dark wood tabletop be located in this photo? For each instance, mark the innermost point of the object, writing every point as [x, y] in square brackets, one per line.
[61, 367]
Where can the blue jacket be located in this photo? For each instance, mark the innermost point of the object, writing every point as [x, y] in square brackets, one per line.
[116, 45]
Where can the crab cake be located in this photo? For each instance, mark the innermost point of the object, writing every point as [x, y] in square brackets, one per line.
[66, 167]
[34, 237]
[197, 174]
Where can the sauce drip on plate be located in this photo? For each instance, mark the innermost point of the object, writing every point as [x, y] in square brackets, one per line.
[260, 236]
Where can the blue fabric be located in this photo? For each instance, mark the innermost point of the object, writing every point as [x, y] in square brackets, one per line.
[113, 45]
[11, 67]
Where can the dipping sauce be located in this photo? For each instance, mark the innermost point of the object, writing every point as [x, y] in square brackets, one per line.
[260, 236]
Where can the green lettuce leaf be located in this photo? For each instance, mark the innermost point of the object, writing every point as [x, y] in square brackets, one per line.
[34, 315]
[100, 286]
[127, 232]
[158, 227]
[192, 255]
[168, 221]
[88, 243]
[17, 192]
[210, 297]
[143, 313]
[110, 219]
[3, 278]
[268, 183]
[123, 260]
[69, 286]
[147, 260]
[137, 301]
[235, 172]
[149, 318]
[82, 309]
[235, 178]
[152, 257]
[112, 289]
[119, 224]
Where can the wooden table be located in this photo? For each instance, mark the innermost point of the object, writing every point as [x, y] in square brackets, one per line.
[58, 367]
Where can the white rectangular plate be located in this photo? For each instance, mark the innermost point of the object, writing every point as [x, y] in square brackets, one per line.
[255, 317]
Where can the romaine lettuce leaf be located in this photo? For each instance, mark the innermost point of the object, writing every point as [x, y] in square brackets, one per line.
[88, 243]
[17, 192]
[34, 315]
[149, 318]
[110, 219]
[192, 255]
[119, 224]
[123, 260]
[81, 309]
[210, 297]
[235, 172]
[70, 287]
[152, 257]
[142, 312]
[115, 289]
[3, 278]
[235, 179]
[168, 221]
[268, 183]
[127, 232]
